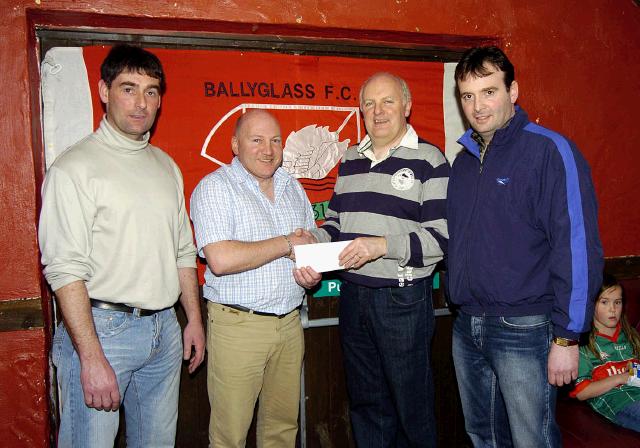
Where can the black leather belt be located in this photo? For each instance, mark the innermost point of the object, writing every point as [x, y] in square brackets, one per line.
[257, 313]
[122, 307]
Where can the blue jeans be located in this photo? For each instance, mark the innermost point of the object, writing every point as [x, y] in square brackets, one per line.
[629, 416]
[386, 339]
[146, 355]
[501, 366]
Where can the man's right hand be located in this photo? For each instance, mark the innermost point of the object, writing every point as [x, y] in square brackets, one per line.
[299, 237]
[97, 378]
[99, 384]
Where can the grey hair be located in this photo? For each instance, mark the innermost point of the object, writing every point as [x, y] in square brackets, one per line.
[404, 87]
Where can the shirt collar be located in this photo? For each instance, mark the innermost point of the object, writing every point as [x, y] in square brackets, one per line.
[409, 140]
[480, 140]
[241, 173]
[474, 142]
[280, 177]
[614, 337]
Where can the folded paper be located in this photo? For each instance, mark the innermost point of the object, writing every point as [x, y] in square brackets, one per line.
[321, 257]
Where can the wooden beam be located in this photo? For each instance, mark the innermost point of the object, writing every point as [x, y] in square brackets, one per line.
[21, 314]
[623, 267]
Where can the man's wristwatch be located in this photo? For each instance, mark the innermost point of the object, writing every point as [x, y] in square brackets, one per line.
[564, 342]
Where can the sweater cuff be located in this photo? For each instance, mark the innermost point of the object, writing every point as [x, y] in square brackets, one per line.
[187, 262]
[321, 235]
[564, 333]
[58, 281]
[396, 248]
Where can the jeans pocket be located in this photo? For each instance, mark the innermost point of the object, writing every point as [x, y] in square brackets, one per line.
[56, 345]
[110, 323]
[526, 322]
[228, 316]
[409, 295]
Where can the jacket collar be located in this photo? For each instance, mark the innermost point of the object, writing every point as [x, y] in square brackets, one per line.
[501, 138]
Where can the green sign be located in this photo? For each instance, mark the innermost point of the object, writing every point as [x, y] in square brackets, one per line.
[331, 288]
[328, 288]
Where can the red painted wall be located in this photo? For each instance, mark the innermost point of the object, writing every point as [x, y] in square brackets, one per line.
[577, 64]
[24, 421]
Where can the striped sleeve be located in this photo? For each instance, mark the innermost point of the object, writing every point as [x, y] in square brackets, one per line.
[428, 245]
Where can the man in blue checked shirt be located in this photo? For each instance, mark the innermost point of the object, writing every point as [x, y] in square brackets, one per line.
[245, 215]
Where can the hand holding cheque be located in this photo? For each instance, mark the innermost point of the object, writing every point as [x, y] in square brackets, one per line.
[352, 254]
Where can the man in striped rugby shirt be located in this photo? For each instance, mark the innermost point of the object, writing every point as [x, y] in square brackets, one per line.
[390, 200]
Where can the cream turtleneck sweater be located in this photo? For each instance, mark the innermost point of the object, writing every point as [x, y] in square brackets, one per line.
[113, 215]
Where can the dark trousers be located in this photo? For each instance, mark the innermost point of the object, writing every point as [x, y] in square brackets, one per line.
[386, 340]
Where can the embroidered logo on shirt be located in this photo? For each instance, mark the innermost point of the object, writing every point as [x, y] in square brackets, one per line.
[403, 179]
[502, 180]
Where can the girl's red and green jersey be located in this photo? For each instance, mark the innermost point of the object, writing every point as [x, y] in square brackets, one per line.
[615, 353]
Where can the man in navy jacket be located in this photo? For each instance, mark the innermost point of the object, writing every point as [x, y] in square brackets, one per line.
[524, 259]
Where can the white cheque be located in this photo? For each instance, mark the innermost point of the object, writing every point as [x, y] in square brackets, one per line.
[321, 257]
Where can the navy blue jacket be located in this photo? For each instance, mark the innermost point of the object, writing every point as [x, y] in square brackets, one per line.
[524, 230]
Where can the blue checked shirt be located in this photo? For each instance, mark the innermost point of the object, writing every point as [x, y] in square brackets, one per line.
[228, 205]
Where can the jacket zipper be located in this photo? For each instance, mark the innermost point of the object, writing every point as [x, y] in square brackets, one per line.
[471, 220]
[484, 158]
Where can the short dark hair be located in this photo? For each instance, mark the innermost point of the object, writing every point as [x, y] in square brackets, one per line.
[127, 58]
[477, 61]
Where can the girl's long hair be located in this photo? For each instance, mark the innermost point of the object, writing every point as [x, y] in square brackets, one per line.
[609, 281]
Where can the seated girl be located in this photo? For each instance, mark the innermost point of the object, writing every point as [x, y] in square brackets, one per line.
[603, 375]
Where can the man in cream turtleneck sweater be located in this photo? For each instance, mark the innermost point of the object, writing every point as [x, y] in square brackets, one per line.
[118, 253]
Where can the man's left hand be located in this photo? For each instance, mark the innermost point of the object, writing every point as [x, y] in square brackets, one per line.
[306, 277]
[362, 250]
[562, 366]
[193, 341]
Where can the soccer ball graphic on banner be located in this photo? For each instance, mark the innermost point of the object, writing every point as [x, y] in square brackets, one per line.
[310, 152]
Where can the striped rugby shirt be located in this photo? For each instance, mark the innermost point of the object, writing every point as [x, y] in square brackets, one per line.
[401, 198]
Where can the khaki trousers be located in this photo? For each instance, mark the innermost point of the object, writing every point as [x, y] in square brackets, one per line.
[253, 357]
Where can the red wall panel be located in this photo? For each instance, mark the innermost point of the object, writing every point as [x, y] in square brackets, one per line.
[24, 421]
